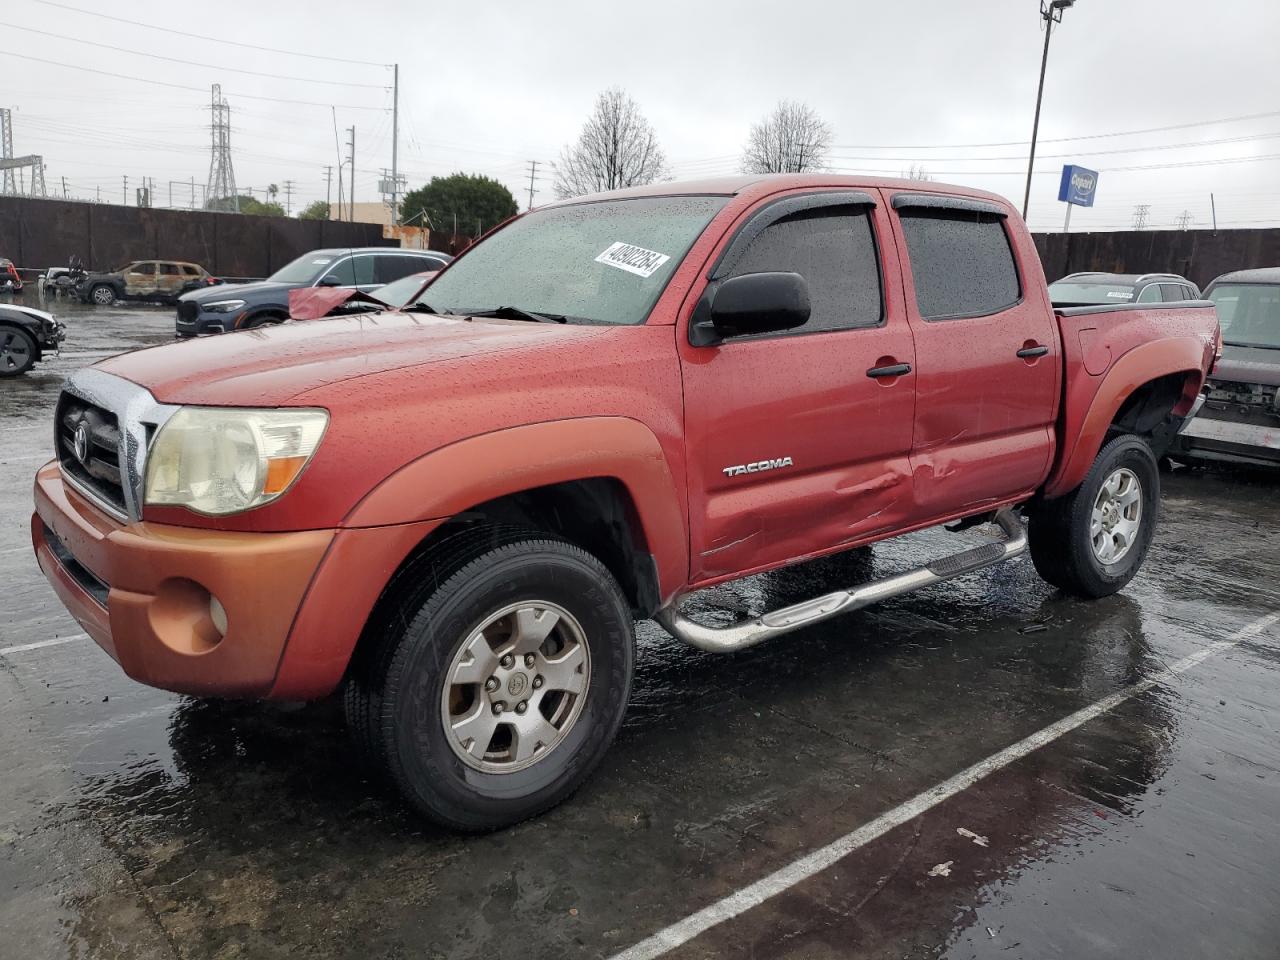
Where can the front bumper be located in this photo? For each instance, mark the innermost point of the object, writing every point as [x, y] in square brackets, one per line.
[142, 591]
[200, 325]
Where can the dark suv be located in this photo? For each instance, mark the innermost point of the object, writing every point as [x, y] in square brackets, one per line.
[1092, 289]
[241, 306]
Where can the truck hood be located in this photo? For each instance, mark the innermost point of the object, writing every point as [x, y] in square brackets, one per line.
[270, 366]
[1249, 365]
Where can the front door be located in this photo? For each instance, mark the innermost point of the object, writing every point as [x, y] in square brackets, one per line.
[793, 447]
[988, 360]
[140, 279]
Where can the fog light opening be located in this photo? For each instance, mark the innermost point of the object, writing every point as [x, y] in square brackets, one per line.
[218, 615]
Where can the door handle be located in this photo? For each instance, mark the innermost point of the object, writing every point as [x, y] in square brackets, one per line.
[892, 370]
[1038, 351]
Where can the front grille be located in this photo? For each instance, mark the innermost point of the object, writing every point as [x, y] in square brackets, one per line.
[96, 467]
[187, 311]
[93, 585]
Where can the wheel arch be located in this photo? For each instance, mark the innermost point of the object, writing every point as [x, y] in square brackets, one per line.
[1140, 393]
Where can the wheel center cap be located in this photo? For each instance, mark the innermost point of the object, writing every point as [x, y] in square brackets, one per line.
[517, 684]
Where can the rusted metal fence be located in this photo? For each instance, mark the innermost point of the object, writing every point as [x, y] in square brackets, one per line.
[1198, 255]
[37, 233]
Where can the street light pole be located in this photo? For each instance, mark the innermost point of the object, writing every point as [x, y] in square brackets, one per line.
[1051, 13]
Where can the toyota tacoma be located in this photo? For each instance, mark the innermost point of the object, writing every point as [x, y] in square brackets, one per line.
[455, 512]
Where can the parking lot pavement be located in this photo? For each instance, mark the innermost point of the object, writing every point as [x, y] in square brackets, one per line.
[985, 769]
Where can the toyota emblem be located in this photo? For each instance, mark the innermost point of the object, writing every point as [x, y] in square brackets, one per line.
[82, 442]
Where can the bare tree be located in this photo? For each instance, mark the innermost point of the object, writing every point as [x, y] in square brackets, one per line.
[617, 148]
[916, 171]
[792, 139]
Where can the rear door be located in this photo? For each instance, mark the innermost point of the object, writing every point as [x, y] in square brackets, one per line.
[169, 279]
[987, 354]
[793, 448]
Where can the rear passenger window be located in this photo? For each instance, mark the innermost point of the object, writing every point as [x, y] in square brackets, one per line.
[1173, 292]
[961, 263]
[1150, 294]
[835, 251]
[391, 268]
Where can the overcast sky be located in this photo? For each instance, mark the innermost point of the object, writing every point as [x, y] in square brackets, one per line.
[488, 86]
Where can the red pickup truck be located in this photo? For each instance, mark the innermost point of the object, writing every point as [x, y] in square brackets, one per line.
[455, 512]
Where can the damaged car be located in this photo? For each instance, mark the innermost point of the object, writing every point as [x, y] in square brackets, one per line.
[158, 281]
[1239, 421]
[25, 336]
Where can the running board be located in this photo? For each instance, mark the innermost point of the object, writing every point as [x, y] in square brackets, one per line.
[748, 633]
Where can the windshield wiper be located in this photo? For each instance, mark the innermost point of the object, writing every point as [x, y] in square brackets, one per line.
[420, 307]
[517, 313]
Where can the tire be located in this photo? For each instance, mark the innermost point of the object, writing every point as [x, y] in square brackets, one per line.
[102, 294]
[260, 320]
[533, 717]
[17, 352]
[1088, 560]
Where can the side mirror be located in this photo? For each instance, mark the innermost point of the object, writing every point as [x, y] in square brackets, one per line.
[329, 280]
[750, 304]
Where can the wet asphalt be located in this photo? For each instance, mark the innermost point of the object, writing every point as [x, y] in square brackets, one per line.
[136, 823]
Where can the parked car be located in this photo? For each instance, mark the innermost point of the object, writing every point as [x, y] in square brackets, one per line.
[248, 305]
[57, 280]
[1090, 289]
[455, 512]
[1240, 419]
[25, 336]
[399, 292]
[157, 281]
[9, 277]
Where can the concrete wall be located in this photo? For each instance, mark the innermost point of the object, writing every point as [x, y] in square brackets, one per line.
[1198, 255]
[37, 233]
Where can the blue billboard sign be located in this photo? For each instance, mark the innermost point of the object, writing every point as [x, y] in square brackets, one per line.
[1078, 185]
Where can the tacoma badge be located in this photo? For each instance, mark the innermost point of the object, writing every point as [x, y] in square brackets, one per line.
[758, 467]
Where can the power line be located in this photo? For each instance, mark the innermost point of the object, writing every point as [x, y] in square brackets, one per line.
[194, 63]
[180, 86]
[1023, 143]
[200, 36]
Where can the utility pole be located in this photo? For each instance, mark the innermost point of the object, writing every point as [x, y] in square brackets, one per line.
[351, 195]
[533, 172]
[288, 197]
[193, 193]
[1140, 212]
[395, 146]
[124, 198]
[1051, 13]
[64, 188]
[328, 191]
[1214, 207]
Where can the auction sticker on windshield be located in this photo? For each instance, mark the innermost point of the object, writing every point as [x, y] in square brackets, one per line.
[633, 259]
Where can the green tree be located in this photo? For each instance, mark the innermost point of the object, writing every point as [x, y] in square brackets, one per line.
[474, 200]
[250, 205]
[316, 211]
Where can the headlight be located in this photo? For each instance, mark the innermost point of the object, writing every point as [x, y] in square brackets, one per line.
[221, 460]
[224, 306]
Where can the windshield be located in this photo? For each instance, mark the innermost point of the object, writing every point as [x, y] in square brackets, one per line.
[303, 270]
[1070, 293]
[398, 292]
[1249, 313]
[595, 262]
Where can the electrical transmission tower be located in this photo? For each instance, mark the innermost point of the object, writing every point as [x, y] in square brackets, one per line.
[222, 178]
[1185, 219]
[1140, 212]
[9, 163]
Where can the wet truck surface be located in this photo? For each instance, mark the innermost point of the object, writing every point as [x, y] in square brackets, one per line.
[454, 513]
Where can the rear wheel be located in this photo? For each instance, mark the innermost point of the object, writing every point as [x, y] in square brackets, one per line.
[17, 351]
[1091, 542]
[103, 295]
[497, 692]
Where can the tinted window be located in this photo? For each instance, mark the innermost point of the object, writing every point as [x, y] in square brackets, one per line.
[961, 263]
[353, 276]
[1149, 294]
[391, 268]
[835, 252]
[305, 269]
[1173, 292]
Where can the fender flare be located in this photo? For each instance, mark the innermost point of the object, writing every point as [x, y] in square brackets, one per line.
[1142, 364]
[462, 475]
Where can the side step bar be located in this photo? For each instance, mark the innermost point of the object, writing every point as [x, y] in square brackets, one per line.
[748, 633]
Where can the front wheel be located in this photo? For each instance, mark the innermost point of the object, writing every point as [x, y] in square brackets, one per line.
[500, 692]
[1091, 542]
[103, 295]
[17, 352]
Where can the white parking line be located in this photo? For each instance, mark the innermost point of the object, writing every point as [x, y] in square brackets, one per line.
[20, 648]
[779, 881]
